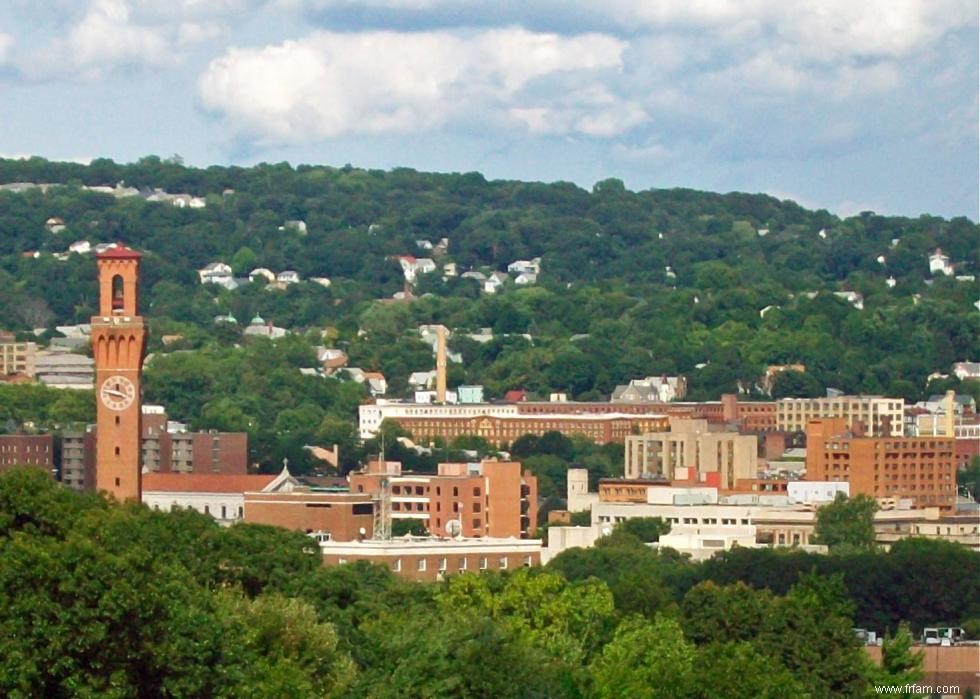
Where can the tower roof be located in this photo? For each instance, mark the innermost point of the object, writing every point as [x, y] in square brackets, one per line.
[120, 252]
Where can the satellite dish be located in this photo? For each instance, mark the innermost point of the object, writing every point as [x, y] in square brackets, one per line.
[454, 528]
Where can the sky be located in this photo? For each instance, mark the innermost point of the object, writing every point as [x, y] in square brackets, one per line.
[848, 105]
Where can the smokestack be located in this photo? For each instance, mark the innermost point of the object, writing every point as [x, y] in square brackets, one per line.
[441, 364]
[950, 405]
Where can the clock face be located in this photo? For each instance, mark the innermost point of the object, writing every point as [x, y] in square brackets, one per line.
[117, 393]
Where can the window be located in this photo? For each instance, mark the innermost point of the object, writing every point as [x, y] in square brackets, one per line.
[396, 565]
[476, 507]
[442, 564]
[117, 451]
[455, 492]
[461, 564]
[476, 524]
[420, 566]
[502, 563]
[224, 512]
[527, 561]
[483, 563]
[476, 492]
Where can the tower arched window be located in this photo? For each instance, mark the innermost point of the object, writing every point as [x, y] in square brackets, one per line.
[117, 293]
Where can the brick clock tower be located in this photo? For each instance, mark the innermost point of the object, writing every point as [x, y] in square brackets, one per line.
[119, 344]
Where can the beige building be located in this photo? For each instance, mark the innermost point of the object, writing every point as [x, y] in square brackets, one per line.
[879, 416]
[16, 357]
[690, 452]
[432, 558]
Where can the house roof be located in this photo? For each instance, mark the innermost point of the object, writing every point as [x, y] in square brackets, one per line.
[120, 252]
[205, 482]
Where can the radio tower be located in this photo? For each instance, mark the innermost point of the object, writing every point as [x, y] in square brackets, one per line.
[382, 501]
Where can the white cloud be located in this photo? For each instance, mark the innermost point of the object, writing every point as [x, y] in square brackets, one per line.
[330, 84]
[6, 43]
[113, 33]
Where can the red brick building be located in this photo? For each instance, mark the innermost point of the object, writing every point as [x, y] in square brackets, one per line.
[921, 469]
[492, 498]
[344, 516]
[27, 450]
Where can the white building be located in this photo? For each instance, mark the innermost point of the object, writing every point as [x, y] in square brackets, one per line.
[217, 273]
[940, 263]
[288, 277]
[218, 495]
[814, 492]
[532, 266]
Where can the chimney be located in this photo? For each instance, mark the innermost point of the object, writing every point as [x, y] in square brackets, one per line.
[950, 407]
[441, 364]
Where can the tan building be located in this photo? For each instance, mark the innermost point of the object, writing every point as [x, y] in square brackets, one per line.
[690, 452]
[747, 416]
[920, 469]
[877, 415]
[601, 429]
[492, 498]
[430, 559]
[16, 357]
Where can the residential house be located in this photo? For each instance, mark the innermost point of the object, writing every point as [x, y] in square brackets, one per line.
[81, 247]
[652, 389]
[852, 297]
[217, 273]
[296, 226]
[967, 370]
[532, 266]
[422, 380]
[377, 384]
[322, 281]
[262, 273]
[494, 282]
[413, 266]
[55, 224]
[525, 278]
[288, 277]
[940, 263]
[331, 359]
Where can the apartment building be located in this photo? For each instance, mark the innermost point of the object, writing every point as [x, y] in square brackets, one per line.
[78, 459]
[16, 357]
[877, 415]
[690, 452]
[919, 469]
[491, 498]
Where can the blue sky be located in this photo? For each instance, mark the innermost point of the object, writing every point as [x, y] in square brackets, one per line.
[839, 104]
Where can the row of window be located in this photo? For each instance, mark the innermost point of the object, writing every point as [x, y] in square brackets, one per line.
[26, 448]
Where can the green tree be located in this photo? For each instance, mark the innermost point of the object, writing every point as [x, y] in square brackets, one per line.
[647, 660]
[846, 524]
[646, 529]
